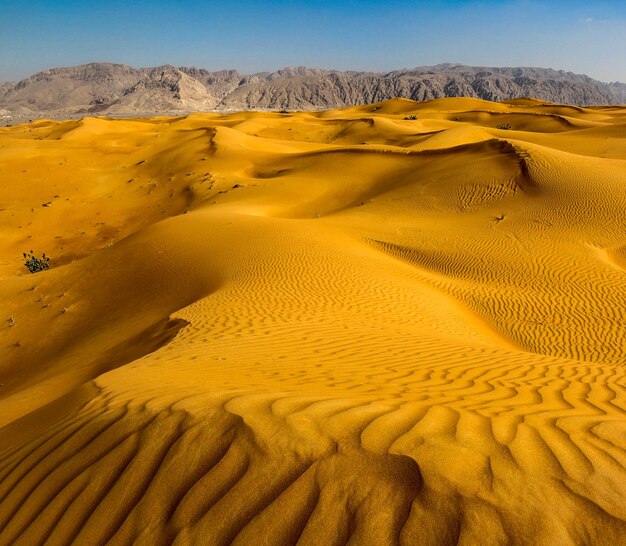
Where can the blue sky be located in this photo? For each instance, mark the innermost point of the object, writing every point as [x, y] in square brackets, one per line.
[585, 37]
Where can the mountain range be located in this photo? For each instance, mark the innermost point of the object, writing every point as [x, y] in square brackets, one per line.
[99, 88]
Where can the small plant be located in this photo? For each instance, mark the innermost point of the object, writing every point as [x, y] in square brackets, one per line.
[410, 118]
[35, 264]
[503, 126]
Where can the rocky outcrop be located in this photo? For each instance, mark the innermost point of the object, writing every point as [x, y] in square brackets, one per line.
[116, 88]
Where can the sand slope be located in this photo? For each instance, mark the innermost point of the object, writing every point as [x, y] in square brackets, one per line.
[343, 327]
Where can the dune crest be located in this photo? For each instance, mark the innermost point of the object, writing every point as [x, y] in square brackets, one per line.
[399, 323]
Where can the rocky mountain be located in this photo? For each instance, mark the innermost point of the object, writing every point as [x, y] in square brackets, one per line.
[115, 88]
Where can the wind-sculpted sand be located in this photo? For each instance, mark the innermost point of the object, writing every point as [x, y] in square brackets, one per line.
[342, 327]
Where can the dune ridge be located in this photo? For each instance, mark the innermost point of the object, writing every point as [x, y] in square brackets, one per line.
[341, 327]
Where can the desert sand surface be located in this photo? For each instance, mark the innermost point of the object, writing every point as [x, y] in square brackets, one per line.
[338, 327]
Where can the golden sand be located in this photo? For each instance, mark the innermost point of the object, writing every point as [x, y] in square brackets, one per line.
[343, 327]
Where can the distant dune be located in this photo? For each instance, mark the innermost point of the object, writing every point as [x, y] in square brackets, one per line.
[123, 90]
[400, 323]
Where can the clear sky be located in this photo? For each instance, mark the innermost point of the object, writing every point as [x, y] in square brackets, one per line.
[582, 36]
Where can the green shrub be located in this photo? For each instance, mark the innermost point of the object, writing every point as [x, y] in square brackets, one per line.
[35, 264]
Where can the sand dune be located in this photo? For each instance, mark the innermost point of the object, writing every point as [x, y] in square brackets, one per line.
[343, 327]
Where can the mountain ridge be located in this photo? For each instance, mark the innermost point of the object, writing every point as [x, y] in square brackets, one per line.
[118, 88]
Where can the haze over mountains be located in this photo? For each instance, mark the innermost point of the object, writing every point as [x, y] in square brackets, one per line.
[120, 89]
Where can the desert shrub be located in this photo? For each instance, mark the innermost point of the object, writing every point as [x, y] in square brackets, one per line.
[410, 118]
[35, 264]
[503, 126]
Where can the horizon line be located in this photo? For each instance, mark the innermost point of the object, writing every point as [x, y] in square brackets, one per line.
[284, 68]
